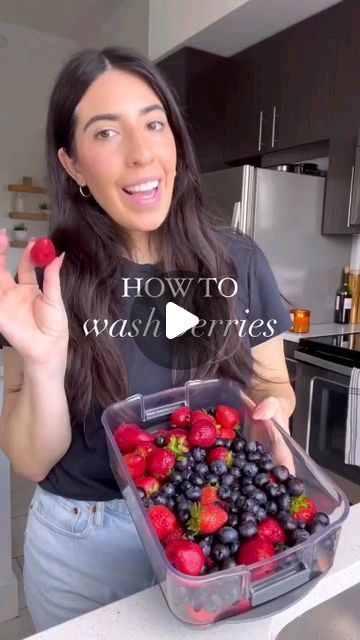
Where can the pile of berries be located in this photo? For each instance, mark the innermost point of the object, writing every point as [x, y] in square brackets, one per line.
[215, 499]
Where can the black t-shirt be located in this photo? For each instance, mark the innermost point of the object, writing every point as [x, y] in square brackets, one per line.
[84, 472]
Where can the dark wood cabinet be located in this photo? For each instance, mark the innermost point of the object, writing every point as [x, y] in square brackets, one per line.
[341, 199]
[198, 79]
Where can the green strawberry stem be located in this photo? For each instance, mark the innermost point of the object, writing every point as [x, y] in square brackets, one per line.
[177, 446]
[194, 522]
[299, 503]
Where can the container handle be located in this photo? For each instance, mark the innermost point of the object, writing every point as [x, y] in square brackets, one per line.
[164, 410]
[263, 593]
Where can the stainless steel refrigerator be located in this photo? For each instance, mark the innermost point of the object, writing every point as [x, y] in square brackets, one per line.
[283, 213]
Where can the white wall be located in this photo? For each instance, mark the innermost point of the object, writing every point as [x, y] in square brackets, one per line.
[129, 26]
[173, 21]
[28, 69]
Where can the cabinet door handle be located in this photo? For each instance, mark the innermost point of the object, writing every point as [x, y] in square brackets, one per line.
[350, 195]
[273, 139]
[261, 121]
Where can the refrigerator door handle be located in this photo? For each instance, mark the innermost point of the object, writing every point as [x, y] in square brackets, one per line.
[236, 221]
[348, 222]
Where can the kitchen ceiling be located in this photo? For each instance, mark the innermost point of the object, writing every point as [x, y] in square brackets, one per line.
[76, 20]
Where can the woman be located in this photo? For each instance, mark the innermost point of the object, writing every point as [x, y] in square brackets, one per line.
[112, 124]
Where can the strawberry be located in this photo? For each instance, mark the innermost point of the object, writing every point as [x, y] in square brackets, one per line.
[206, 518]
[177, 441]
[302, 508]
[271, 529]
[220, 453]
[160, 463]
[199, 414]
[145, 449]
[209, 495]
[149, 484]
[126, 437]
[189, 558]
[135, 463]
[202, 434]
[163, 521]
[42, 252]
[171, 549]
[200, 616]
[227, 434]
[176, 533]
[227, 417]
[254, 550]
[180, 417]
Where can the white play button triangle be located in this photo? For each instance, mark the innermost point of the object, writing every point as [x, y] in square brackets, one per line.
[178, 320]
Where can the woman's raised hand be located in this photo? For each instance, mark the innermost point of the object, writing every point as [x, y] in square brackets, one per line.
[33, 322]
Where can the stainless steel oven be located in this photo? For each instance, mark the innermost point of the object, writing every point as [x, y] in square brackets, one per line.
[319, 420]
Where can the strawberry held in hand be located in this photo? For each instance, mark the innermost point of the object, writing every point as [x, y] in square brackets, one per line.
[42, 252]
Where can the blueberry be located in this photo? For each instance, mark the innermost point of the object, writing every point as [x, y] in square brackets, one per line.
[170, 503]
[234, 548]
[206, 547]
[261, 479]
[280, 473]
[239, 462]
[212, 480]
[214, 569]
[284, 502]
[167, 490]
[233, 520]
[260, 496]
[183, 515]
[297, 536]
[238, 444]
[288, 523]
[251, 505]
[227, 443]
[247, 517]
[160, 499]
[197, 480]
[194, 493]
[181, 464]
[321, 517]
[141, 492]
[190, 536]
[246, 481]
[220, 552]
[228, 563]
[201, 469]
[300, 524]
[250, 469]
[235, 472]
[191, 461]
[271, 507]
[295, 486]
[250, 447]
[259, 447]
[146, 502]
[234, 495]
[248, 490]
[211, 411]
[248, 529]
[227, 480]
[253, 456]
[160, 440]
[227, 535]
[219, 467]
[232, 508]
[185, 485]
[272, 490]
[199, 454]
[280, 547]
[176, 477]
[240, 502]
[315, 527]
[224, 493]
[219, 442]
[266, 463]
[261, 514]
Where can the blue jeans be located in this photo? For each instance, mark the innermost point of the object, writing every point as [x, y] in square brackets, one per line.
[79, 556]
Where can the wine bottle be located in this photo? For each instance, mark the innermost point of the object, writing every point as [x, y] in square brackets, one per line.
[343, 300]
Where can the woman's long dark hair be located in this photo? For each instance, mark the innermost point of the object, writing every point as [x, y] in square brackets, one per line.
[189, 238]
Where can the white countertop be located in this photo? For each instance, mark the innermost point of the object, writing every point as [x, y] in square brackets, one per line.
[317, 330]
[145, 615]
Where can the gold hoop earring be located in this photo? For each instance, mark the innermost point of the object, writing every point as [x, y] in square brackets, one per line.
[84, 194]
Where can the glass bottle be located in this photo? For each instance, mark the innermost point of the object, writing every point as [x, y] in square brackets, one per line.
[343, 300]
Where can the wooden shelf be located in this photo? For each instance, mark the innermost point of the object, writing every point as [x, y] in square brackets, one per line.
[26, 188]
[23, 215]
[18, 244]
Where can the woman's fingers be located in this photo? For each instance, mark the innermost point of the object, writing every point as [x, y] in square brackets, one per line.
[266, 409]
[51, 284]
[6, 279]
[26, 271]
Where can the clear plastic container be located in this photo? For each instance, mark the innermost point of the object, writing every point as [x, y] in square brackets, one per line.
[206, 599]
